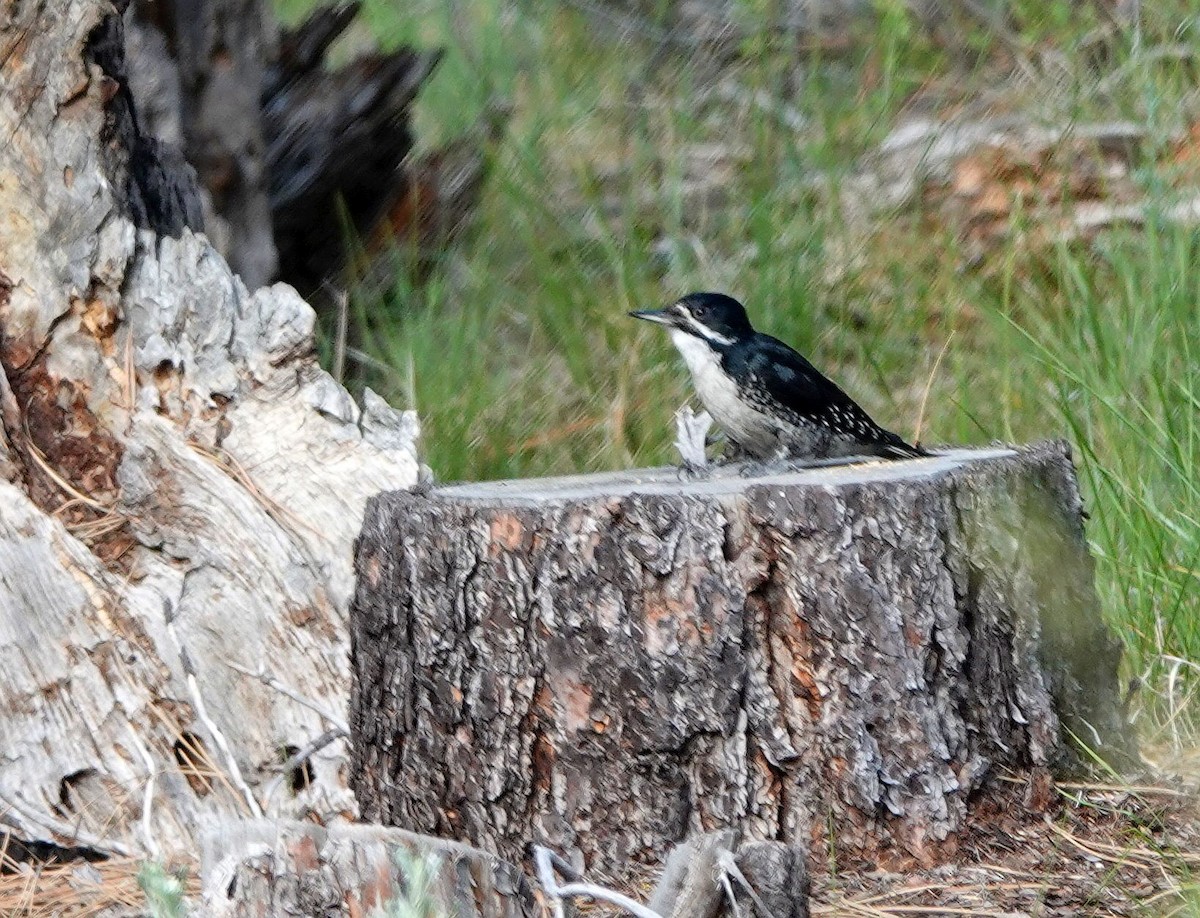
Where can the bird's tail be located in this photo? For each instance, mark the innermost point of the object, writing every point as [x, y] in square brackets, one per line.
[897, 448]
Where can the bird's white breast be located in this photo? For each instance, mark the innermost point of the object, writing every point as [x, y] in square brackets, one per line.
[715, 388]
[719, 394]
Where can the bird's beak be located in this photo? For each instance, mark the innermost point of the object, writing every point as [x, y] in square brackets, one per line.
[660, 316]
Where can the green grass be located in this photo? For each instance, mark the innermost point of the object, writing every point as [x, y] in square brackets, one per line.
[519, 356]
[419, 896]
[164, 891]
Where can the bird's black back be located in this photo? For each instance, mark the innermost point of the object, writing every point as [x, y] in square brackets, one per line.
[775, 371]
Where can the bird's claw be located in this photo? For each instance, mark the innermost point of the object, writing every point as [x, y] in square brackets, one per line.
[692, 471]
[760, 468]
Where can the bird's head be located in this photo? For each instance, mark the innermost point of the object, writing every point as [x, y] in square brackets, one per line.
[712, 317]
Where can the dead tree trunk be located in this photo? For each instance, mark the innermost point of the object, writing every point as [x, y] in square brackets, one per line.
[299, 160]
[835, 658]
[180, 482]
[198, 74]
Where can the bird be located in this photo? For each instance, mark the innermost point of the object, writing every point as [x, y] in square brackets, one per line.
[770, 401]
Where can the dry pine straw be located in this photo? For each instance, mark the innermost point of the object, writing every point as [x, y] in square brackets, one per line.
[1093, 850]
[76, 890]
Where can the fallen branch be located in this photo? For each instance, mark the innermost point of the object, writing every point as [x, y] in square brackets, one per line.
[548, 862]
[250, 867]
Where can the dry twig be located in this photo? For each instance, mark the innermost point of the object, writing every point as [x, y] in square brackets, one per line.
[295, 761]
[548, 863]
[928, 386]
[193, 685]
[339, 342]
[271, 682]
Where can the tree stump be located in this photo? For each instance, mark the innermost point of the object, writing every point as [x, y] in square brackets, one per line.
[288, 868]
[835, 658]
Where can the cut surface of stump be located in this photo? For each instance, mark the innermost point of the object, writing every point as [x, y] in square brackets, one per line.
[834, 658]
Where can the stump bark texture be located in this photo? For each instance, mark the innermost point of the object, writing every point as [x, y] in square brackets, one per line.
[833, 658]
[284, 869]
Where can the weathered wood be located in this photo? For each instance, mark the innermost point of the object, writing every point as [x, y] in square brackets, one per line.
[281, 868]
[298, 160]
[836, 657]
[778, 874]
[216, 54]
[337, 142]
[170, 444]
[690, 880]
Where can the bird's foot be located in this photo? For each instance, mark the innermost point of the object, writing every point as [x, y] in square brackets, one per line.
[691, 429]
[693, 471]
[761, 468]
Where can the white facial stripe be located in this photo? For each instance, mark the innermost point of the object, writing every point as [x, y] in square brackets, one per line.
[705, 332]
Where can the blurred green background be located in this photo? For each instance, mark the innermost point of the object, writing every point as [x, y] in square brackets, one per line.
[636, 167]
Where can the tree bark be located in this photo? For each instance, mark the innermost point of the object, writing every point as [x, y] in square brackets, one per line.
[280, 868]
[835, 658]
[181, 482]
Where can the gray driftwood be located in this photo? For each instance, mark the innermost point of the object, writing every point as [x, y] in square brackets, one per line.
[284, 869]
[835, 658]
[180, 482]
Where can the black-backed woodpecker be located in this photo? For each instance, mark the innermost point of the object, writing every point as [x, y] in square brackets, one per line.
[770, 401]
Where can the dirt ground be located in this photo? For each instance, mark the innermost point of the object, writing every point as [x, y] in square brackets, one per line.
[1094, 850]
[1035, 849]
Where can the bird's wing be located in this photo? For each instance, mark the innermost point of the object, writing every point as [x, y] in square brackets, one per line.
[801, 389]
